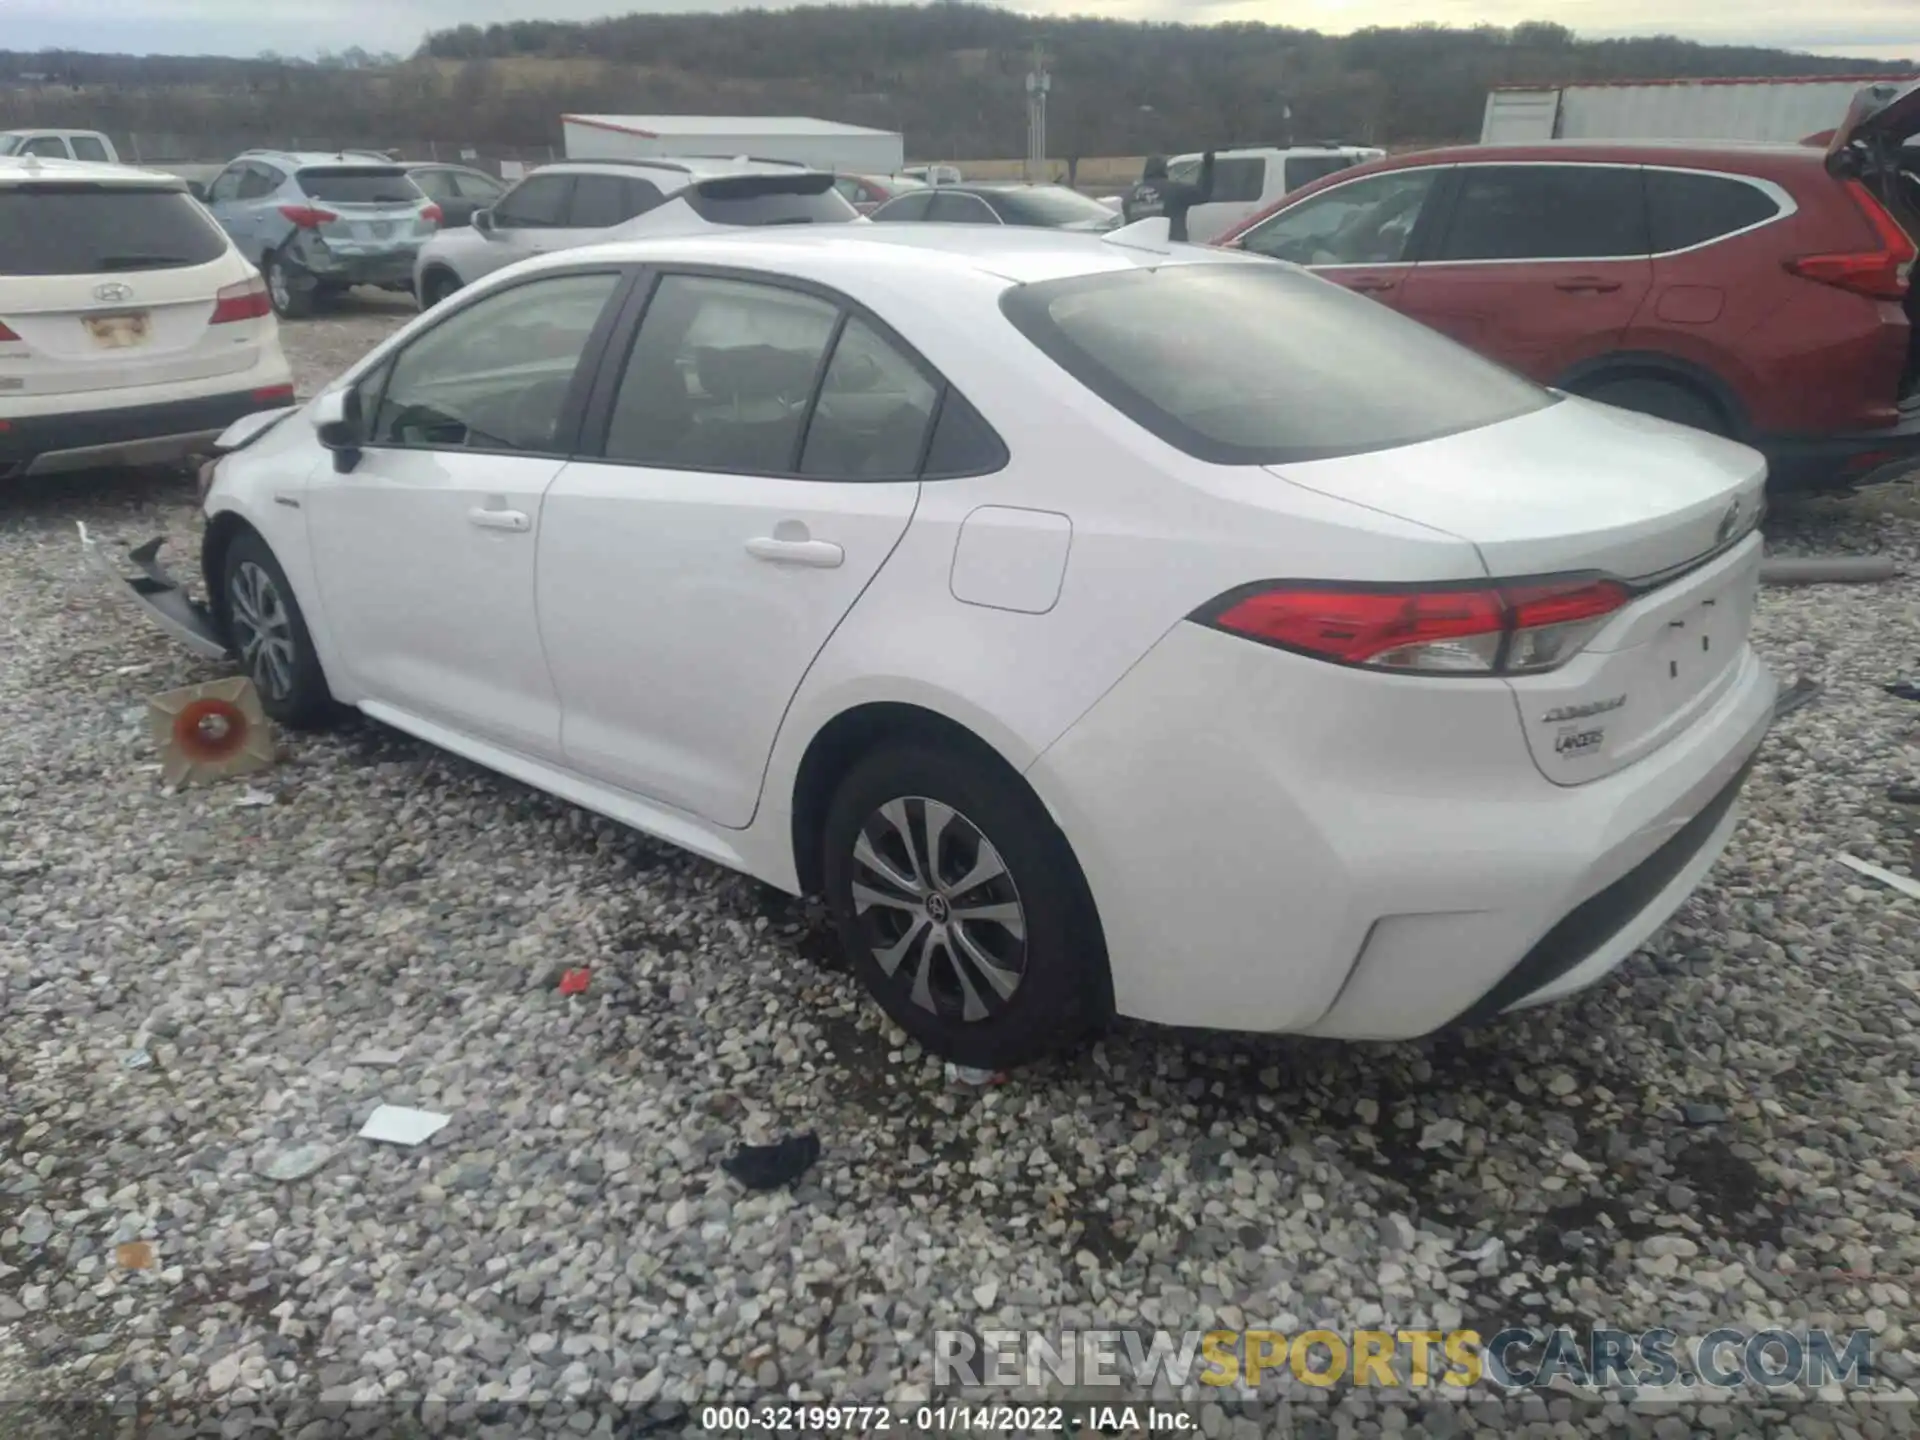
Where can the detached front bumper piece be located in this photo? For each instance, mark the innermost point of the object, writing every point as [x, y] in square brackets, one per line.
[163, 599]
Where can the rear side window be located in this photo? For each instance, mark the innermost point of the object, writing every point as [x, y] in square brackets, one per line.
[78, 229]
[602, 201]
[1686, 210]
[257, 182]
[1262, 365]
[361, 185]
[1546, 212]
[1237, 180]
[771, 200]
[1303, 170]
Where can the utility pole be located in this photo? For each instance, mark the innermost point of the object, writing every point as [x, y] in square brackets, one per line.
[1039, 82]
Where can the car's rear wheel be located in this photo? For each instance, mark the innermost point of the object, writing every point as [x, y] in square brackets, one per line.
[288, 290]
[1663, 399]
[961, 907]
[269, 636]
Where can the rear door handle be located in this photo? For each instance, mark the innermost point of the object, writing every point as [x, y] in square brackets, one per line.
[514, 520]
[1593, 283]
[815, 554]
[1371, 287]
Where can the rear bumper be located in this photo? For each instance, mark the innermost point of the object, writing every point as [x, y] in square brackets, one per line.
[1271, 847]
[334, 267]
[129, 434]
[1828, 461]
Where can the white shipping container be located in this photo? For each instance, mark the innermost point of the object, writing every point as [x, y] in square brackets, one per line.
[1787, 111]
[822, 144]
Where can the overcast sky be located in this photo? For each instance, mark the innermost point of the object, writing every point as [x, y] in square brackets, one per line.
[1885, 29]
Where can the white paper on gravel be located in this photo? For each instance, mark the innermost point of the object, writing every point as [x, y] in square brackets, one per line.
[399, 1125]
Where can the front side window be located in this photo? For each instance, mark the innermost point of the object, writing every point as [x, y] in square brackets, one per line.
[85, 147]
[1054, 206]
[495, 374]
[721, 377]
[472, 185]
[435, 184]
[870, 422]
[1546, 212]
[905, 207]
[1364, 222]
[537, 203]
[1303, 170]
[50, 146]
[1241, 364]
[227, 187]
[951, 209]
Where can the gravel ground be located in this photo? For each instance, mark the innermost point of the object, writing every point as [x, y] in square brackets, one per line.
[1723, 1133]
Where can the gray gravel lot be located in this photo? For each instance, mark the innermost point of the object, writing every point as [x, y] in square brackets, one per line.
[1723, 1133]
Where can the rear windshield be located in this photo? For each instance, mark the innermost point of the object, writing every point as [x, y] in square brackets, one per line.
[771, 200]
[81, 229]
[1050, 207]
[1263, 364]
[361, 185]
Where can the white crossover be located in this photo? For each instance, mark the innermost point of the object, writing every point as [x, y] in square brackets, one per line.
[1099, 626]
[131, 329]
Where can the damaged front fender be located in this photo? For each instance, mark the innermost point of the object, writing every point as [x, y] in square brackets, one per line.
[163, 599]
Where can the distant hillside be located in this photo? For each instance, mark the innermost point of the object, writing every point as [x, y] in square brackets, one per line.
[949, 75]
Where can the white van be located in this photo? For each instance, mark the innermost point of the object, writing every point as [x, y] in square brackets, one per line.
[1246, 181]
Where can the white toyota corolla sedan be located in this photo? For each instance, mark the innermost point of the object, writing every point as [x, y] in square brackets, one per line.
[1098, 626]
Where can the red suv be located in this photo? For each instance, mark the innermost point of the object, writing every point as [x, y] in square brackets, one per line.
[1760, 292]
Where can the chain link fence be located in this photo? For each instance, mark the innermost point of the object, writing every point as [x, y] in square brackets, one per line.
[202, 151]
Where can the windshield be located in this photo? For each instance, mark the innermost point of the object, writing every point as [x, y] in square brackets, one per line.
[1051, 205]
[1263, 364]
[361, 185]
[75, 228]
[8, 143]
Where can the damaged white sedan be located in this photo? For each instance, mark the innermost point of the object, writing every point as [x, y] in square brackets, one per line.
[1099, 626]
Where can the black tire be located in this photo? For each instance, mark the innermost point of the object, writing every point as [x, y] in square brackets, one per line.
[437, 286]
[289, 290]
[1663, 399]
[1055, 951]
[254, 595]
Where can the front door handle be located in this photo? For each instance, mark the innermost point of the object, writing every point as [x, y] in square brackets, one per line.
[815, 554]
[514, 520]
[1591, 283]
[1371, 286]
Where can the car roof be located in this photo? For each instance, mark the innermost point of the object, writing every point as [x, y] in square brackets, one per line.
[694, 167]
[318, 159]
[24, 169]
[839, 255]
[1631, 152]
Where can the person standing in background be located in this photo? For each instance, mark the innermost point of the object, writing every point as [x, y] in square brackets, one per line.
[1156, 194]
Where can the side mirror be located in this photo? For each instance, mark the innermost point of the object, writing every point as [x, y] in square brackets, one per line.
[483, 221]
[197, 190]
[336, 420]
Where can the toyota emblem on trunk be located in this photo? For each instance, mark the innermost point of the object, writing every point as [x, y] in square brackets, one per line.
[113, 292]
[1728, 523]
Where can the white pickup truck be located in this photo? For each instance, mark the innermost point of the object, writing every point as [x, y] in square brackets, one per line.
[60, 145]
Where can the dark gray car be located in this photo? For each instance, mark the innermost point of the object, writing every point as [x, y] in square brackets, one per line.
[459, 190]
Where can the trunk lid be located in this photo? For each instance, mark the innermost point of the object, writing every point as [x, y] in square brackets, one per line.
[375, 209]
[1880, 114]
[1581, 487]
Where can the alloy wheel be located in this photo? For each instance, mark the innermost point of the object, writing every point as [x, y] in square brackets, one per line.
[263, 630]
[939, 910]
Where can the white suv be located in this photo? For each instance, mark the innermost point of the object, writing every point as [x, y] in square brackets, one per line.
[131, 330]
[585, 202]
[1247, 181]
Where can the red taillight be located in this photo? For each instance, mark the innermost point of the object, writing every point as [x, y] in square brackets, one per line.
[6, 334]
[274, 395]
[1882, 274]
[432, 214]
[1476, 630]
[244, 300]
[306, 217]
